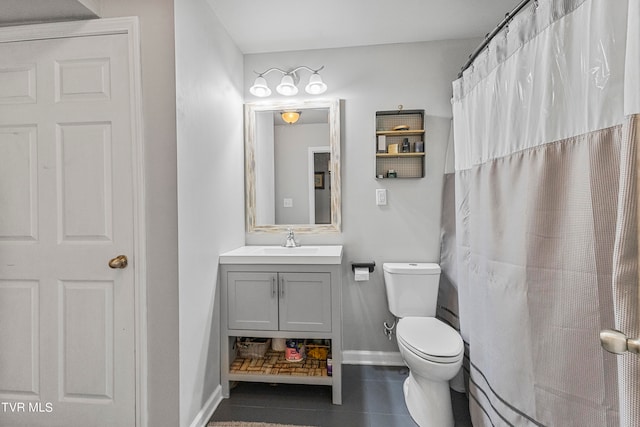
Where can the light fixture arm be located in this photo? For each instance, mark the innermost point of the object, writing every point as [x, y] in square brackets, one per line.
[290, 72]
[306, 68]
[270, 70]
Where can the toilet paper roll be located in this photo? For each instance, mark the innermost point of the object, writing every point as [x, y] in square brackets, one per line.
[361, 274]
[278, 344]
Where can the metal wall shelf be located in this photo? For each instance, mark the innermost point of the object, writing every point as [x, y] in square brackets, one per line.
[404, 164]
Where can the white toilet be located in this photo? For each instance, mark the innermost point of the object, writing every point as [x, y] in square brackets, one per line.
[431, 349]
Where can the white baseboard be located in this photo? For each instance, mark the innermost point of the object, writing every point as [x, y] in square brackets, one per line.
[203, 416]
[381, 358]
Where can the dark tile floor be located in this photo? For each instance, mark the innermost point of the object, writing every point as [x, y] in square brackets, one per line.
[371, 397]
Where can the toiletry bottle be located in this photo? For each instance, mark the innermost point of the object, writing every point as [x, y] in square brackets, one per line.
[406, 146]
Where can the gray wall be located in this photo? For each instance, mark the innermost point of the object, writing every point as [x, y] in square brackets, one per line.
[158, 104]
[210, 191]
[368, 79]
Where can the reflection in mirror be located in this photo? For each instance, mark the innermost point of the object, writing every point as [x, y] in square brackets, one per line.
[293, 170]
[320, 187]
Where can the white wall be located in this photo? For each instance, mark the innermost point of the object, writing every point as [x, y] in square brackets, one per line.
[158, 104]
[368, 79]
[209, 78]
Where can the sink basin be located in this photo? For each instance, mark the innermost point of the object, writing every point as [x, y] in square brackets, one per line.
[279, 250]
[281, 255]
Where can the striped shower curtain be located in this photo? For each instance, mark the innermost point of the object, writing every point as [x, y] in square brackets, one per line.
[540, 236]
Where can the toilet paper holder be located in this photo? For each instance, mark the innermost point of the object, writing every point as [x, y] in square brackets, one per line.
[370, 265]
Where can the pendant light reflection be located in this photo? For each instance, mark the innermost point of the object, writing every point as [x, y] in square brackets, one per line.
[290, 116]
[288, 83]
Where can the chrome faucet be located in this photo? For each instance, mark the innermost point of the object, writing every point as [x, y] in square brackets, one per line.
[291, 239]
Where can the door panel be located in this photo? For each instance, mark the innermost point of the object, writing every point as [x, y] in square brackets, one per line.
[18, 84]
[18, 183]
[19, 367]
[84, 165]
[86, 341]
[305, 302]
[252, 301]
[83, 79]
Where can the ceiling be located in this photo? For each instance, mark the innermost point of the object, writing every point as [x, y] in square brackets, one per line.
[259, 26]
[284, 25]
[14, 12]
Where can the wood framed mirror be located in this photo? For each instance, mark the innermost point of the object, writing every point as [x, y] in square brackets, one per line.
[285, 163]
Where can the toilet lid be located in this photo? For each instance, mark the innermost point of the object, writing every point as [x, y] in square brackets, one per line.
[430, 338]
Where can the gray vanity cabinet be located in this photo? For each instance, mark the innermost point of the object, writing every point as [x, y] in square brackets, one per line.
[279, 301]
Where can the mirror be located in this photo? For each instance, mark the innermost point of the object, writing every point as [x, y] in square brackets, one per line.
[292, 171]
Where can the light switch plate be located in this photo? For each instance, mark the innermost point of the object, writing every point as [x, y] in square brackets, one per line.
[288, 203]
[381, 196]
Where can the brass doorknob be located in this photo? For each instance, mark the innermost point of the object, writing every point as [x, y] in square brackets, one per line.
[118, 262]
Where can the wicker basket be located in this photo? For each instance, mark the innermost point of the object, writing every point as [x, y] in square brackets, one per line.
[318, 351]
[252, 348]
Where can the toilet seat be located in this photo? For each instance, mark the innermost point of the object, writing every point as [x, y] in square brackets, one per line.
[430, 339]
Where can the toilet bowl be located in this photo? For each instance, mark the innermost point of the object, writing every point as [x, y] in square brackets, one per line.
[432, 350]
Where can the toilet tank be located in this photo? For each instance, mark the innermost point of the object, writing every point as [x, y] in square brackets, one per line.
[412, 288]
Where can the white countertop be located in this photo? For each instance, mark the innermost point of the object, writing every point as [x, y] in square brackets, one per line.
[319, 254]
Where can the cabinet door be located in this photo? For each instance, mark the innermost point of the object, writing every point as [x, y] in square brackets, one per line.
[252, 301]
[305, 302]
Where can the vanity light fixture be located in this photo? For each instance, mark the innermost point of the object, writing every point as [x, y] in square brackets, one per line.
[290, 116]
[316, 86]
[260, 87]
[288, 84]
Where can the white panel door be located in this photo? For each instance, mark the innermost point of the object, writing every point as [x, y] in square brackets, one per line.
[66, 209]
